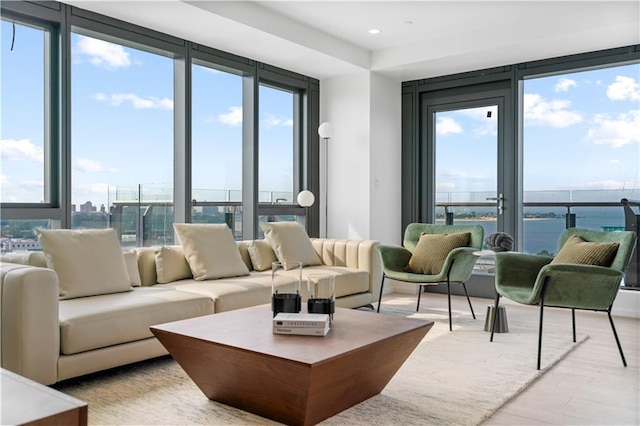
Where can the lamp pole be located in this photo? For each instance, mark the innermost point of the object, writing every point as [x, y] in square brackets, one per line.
[325, 131]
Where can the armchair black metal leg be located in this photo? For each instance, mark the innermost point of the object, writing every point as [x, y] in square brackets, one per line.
[540, 328]
[449, 298]
[381, 287]
[419, 294]
[495, 316]
[615, 334]
[473, 314]
[573, 322]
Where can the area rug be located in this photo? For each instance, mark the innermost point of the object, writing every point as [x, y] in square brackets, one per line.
[452, 378]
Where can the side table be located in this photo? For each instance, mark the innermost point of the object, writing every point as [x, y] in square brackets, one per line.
[27, 402]
[501, 321]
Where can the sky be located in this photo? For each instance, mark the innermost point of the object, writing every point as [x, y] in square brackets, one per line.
[582, 130]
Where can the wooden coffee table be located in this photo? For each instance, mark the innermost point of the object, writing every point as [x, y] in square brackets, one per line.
[235, 359]
[25, 402]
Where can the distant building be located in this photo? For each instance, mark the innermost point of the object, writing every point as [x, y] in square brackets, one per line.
[88, 207]
[9, 245]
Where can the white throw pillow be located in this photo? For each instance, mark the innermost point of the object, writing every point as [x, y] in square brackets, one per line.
[171, 265]
[88, 262]
[131, 260]
[262, 255]
[210, 250]
[290, 242]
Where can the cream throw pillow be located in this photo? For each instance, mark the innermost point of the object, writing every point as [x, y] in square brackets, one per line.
[131, 260]
[171, 265]
[210, 250]
[290, 242]
[88, 262]
[262, 255]
[432, 249]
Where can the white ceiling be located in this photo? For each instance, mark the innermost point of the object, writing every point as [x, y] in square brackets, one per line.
[419, 39]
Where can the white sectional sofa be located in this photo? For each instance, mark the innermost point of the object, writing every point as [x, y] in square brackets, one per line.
[49, 338]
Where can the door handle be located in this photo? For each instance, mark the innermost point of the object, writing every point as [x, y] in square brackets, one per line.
[500, 200]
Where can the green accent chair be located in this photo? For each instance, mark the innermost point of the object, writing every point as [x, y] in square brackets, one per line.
[457, 268]
[531, 279]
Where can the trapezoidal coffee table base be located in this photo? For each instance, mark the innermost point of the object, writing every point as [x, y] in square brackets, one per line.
[235, 359]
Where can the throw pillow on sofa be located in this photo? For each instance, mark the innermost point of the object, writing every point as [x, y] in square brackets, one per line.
[262, 255]
[210, 250]
[171, 265]
[290, 242]
[131, 260]
[88, 262]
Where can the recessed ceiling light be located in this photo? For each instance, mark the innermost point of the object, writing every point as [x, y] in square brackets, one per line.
[374, 31]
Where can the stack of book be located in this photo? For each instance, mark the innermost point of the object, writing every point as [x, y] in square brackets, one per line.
[301, 324]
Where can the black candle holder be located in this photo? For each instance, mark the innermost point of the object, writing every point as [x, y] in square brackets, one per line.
[289, 303]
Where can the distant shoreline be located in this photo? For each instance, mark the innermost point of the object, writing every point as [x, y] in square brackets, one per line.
[493, 219]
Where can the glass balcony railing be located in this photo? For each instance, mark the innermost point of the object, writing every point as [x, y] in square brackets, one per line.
[149, 221]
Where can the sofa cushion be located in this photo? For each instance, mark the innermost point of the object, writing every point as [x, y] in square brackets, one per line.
[96, 322]
[88, 262]
[262, 255]
[577, 250]
[290, 242]
[432, 249]
[171, 265]
[210, 250]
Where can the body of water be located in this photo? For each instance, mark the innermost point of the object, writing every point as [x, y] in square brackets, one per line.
[544, 234]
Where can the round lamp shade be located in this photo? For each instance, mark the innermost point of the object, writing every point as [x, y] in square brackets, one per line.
[306, 198]
[325, 130]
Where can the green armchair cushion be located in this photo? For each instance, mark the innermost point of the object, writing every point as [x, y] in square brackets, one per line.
[577, 250]
[432, 250]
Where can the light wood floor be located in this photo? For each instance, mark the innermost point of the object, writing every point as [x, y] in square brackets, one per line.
[588, 387]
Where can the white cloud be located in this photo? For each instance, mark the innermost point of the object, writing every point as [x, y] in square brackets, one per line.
[447, 125]
[91, 166]
[565, 84]
[21, 150]
[233, 117]
[552, 113]
[624, 88]
[445, 186]
[617, 132]
[116, 99]
[271, 120]
[103, 54]
[32, 184]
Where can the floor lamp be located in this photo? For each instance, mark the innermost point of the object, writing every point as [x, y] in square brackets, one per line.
[325, 131]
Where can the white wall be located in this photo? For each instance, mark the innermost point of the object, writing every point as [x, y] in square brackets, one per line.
[364, 156]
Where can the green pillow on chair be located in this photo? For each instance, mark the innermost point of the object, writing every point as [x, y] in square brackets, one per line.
[432, 250]
[577, 250]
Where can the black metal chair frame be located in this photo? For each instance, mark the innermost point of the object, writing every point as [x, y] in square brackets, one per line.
[435, 283]
[573, 320]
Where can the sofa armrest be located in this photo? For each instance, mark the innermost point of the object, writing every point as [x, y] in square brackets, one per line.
[359, 254]
[29, 324]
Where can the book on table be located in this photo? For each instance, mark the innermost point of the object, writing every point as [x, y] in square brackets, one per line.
[301, 324]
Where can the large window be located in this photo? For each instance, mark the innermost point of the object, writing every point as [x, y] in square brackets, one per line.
[581, 149]
[568, 148]
[217, 135]
[25, 127]
[277, 146]
[109, 124]
[122, 140]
